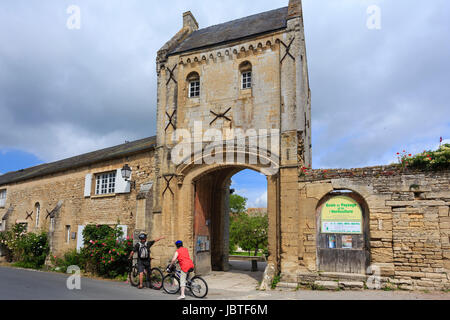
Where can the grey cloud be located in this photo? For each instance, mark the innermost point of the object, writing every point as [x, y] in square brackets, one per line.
[373, 91]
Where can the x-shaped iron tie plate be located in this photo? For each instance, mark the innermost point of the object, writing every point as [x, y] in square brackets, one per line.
[168, 184]
[171, 77]
[288, 47]
[29, 215]
[170, 120]
[220, 115]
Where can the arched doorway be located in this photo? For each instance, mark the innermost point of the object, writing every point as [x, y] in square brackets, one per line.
[343, 233]
[212, 219]
[207, 188]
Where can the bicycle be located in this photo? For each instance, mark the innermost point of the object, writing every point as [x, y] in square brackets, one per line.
[171, 283]
[156, 277]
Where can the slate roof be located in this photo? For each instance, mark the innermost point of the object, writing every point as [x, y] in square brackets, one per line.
[79, 161]
[234, 30]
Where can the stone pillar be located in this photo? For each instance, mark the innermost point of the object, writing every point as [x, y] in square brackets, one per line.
[273, 216]
[289, 219]
[226, 227]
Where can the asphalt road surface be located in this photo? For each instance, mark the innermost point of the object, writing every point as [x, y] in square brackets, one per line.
[18, 284]
[238, 284]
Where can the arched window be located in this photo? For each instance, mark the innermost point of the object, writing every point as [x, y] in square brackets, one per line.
[194, 84]
[37, 208]
[246, 75]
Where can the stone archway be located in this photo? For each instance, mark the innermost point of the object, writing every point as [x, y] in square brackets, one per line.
[204, 202]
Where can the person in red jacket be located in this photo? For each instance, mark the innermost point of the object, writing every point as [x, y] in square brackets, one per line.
[186, 265]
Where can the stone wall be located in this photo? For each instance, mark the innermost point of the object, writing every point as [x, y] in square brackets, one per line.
[409, 223]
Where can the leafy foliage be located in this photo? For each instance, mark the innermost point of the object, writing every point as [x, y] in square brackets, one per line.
[249, 233]
[238, 204]
[28, 250]
[71, 258]
[105, 250]
[431, 160]
[275, 281]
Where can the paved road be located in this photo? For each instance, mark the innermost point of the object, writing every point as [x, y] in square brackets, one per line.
[35, 285]
[239, 284]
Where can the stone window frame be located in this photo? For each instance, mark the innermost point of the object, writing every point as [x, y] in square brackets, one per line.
[193, 80]
[3, 195]
[246, 75]
[68, 231]
[105, 183]
[37, 207]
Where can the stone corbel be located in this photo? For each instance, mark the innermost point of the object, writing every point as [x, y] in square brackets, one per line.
[180, 179]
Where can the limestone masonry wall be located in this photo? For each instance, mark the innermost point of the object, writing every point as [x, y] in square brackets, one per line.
[77, 209]
[409, 222]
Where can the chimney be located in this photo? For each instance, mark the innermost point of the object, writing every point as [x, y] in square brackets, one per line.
[294, 9]
[189, 21]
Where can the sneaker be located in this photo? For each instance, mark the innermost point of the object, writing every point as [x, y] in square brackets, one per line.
[181, 298]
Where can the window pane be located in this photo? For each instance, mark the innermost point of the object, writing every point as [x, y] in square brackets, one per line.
[105, 183]
[246, 80]
[194, 89]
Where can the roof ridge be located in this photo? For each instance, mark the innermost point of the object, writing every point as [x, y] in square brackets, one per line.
[238, 19]
[27, 173]
[233, 30]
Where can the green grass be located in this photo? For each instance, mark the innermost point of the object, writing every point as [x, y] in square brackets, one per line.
[246, 254]
[26, 265]
[316, 287]
[123, 277]
[275, 281]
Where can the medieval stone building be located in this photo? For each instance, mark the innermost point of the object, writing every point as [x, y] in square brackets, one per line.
[220, 90]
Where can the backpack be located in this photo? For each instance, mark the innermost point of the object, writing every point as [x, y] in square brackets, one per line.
[143, 251]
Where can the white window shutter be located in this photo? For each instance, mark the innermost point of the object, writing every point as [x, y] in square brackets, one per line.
[122, 186]
[80, 238]
[87, 185]
[125, 230]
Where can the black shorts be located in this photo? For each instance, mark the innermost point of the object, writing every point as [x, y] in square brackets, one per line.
[143, 265]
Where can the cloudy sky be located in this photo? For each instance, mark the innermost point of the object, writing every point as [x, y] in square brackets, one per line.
[66, 92]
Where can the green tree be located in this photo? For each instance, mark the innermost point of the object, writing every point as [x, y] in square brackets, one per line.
[238, 204]
[249, 233]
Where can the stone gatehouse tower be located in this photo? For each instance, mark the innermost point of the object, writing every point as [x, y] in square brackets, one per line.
[249, 74]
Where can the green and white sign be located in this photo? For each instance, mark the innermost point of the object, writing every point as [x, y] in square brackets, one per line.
[341, 214]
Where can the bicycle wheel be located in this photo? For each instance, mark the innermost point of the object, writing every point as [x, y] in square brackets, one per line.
[198, 287]
[171, 284]
[133, 276]
[156, 278]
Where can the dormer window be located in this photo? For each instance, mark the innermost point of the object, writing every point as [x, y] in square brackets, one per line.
[194, 85]
[246, 75]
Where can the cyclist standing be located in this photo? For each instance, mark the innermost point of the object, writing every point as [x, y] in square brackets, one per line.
[143, 250]
[186, 265]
